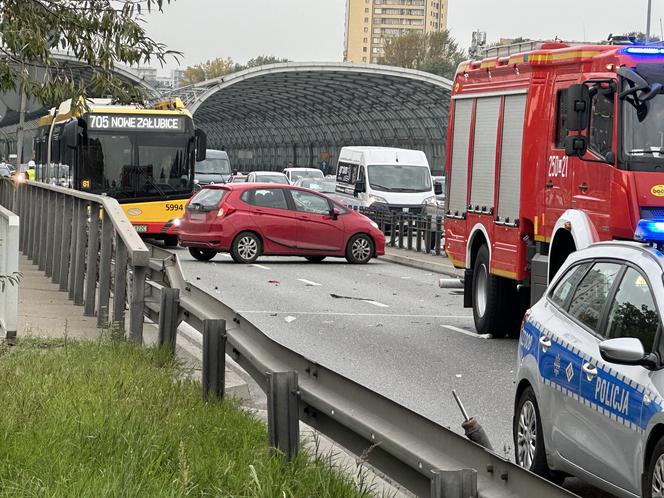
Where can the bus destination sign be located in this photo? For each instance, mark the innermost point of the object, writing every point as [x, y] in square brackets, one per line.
[129, 122]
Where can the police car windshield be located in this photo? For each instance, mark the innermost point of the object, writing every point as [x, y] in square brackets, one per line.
[214, 166]
[399, 178]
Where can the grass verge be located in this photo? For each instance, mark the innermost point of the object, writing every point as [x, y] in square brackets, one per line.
[110, 419]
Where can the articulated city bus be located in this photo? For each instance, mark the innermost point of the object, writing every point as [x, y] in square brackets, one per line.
[143, 157]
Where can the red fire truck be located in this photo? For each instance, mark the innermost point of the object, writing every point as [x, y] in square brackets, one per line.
[548, 151]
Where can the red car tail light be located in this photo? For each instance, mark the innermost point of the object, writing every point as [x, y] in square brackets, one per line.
[225, 211]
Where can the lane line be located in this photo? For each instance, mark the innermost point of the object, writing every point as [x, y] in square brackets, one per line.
[261, 266]
[332, 313]
[469, 334]
[376, 303]
[309, 282]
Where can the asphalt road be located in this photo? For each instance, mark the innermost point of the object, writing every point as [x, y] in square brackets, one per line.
[385, 326]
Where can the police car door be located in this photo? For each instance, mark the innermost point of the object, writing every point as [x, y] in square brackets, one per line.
[576, 306]
[608, 418]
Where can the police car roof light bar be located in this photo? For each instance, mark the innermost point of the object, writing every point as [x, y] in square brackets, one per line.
[650, 231]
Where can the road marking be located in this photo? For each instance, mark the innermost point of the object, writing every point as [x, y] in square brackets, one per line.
[261, 266]
[376, 303]
[309, 282]
[333, 313]
[469, 334]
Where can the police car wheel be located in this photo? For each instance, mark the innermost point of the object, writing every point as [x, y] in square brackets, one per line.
[654, 483]
[202, 254]
[528, 440]
[495, 308]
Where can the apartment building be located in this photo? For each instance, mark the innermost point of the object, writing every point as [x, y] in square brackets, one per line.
[369, 23]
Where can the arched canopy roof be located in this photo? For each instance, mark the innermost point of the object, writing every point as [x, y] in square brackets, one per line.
[312, 104]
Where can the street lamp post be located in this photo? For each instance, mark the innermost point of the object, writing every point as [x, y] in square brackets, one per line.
[648, 22]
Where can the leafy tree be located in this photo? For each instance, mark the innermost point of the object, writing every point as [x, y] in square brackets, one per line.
[263, 60]
[208, 70]
[436, 53]
[101, 33]
[218, 67]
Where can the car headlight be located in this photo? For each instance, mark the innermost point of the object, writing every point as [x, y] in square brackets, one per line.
[430, 201]
[177, 222]
[196, 182]
[376, 199]
[374, 224]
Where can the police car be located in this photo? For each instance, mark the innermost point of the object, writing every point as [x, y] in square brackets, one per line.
[590, 384]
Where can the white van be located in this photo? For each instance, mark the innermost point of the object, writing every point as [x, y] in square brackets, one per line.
[385, 178]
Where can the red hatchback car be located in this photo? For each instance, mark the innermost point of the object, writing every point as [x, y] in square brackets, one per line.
[253, 219]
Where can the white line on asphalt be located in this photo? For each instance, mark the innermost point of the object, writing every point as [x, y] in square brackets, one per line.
[261, 266]
[309, 282]
[332, 313]
[376, 303]
[466, 332]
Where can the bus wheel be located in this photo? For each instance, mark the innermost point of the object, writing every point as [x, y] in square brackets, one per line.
[171, 241]
[495, 300]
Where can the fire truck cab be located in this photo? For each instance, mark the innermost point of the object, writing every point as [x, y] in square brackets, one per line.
[548, 152]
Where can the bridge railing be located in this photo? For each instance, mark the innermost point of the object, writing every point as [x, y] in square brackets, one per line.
[9, 229]
[74, 237]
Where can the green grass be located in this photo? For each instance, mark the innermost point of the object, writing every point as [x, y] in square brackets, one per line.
[110, 419]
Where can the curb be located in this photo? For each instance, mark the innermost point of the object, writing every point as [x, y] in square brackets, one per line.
[440, 268]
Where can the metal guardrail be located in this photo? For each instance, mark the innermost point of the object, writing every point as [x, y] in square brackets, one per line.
[9, 235]
[426, 458]
[415, 232]
[73, 237]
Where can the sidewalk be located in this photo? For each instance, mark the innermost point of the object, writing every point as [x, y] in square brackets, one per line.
[422, 261]
[46, 311]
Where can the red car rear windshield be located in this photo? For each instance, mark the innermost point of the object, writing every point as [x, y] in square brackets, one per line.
[208, 198]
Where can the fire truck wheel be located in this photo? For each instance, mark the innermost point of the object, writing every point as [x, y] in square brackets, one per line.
[495, 300]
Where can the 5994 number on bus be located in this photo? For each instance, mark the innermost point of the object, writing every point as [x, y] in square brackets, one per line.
[174, 207]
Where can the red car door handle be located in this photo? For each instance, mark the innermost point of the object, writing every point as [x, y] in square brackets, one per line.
[583, 187]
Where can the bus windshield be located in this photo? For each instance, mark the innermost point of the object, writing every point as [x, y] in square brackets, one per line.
[214, 166]
[135, 164]
[399, 178]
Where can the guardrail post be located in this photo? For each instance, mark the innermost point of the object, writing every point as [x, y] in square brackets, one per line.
[104, 292]
[418, 240]
[91, 267]
[168, 318]
[283, 413]
[410, 232]
[65, 246]
[401, 227]
[51, 200]
[137, 304]
[393, 228]
[439, 233]
[34, 229]
[120, 283]
[75, 234]
[454, 483]
[42, 243]
[427, 234]
[214, 359]
[79, 266]
[57, 237]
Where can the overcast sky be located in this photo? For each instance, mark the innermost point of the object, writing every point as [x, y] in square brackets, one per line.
[313, 30]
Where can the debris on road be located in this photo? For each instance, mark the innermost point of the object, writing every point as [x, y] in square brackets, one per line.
[472, 427]
[289, 319]
[273, 282]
